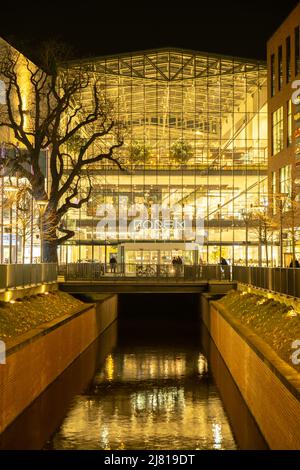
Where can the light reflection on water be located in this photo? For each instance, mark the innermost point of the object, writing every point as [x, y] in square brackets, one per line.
[148, 398]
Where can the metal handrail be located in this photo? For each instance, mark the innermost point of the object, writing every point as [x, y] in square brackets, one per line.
[138, 271]
[22, 275]
[281, 280]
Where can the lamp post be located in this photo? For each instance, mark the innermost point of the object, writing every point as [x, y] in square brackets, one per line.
[42, 204]
[245, 217]
[282, 197]
[11, 195]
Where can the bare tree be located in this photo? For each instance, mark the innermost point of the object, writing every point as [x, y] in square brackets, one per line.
[287, 215]
[50, 116]
[25, 216]
[263, 226]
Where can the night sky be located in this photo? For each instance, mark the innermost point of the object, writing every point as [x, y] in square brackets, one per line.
[238, 28]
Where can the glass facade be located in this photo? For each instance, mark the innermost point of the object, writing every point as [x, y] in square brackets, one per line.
[277, 131]
[20, 240]
[19, 214]
[289, 123]
[280, 75]
[285, 182]
[297, 50]
[196, 139]
[272, 74]
[288, 59]
[273, 192]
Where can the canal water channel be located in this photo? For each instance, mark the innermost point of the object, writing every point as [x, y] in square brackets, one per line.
[153, 380]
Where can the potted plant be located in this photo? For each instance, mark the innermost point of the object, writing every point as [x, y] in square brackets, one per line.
[138, 153]
[181, 152]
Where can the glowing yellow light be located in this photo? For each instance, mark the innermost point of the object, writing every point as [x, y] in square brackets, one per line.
[7, 296]
[109, 367]
[291, 313]
[10, 189]
[217, 433]
[202, 364]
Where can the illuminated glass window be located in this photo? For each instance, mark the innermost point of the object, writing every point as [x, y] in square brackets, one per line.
[277, 130]
[289, 123]
[273, 191]
[297, 50]
[288, 59]
[285, 185]
[280, 67]
[196, 140]
[272, 74]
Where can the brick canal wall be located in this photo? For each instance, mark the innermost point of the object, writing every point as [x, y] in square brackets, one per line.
[36, 358]
[269, 386]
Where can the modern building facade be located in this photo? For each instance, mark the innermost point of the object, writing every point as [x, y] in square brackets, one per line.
[209, 139]
[195, 145]
[20, 240]
[283, 58]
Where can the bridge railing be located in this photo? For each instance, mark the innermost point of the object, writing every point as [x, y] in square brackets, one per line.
[97, 271]
[282, 280]
[21, 275]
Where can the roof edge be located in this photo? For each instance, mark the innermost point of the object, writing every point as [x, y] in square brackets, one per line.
[282, 23]
[166, 49]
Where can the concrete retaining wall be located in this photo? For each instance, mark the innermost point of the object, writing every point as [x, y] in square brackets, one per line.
[37, 358]
[270, 387]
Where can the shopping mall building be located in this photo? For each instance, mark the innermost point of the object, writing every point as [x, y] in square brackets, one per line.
[196, 145]
[201, 151]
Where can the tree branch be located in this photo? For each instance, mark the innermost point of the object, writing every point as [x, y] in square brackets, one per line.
[69, 234]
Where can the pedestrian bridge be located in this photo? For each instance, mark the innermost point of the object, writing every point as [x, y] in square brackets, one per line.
[145, 286]
[145, 272]
[92, 277]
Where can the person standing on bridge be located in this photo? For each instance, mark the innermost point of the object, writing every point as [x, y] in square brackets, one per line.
[113, 264]
[295, 264]
[179, 265]
[224, 270]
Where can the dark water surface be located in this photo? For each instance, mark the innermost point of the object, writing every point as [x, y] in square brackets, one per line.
[147, 383]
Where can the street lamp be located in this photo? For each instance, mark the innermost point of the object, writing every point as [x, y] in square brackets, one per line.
[11, 196]
[244, 215]
[42, 204]
[282, 197]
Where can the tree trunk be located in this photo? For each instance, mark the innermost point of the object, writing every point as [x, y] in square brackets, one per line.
[266, 245]
[49, 251]
[48, 225]
[23, 244]
[267, 255]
